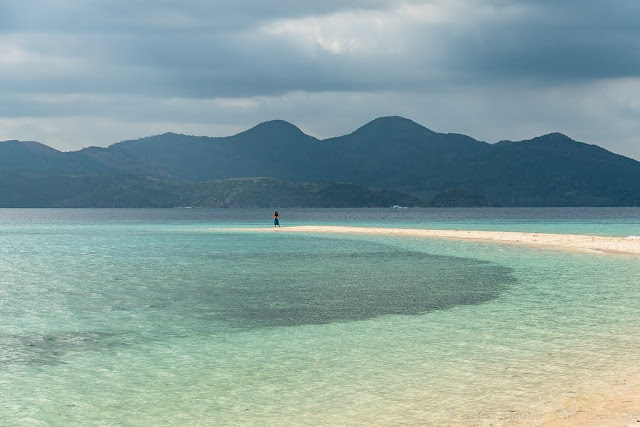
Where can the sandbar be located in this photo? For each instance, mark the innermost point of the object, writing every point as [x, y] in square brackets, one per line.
[568, 242]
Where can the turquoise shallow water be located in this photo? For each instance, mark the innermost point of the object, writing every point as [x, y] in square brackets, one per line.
[147, 317]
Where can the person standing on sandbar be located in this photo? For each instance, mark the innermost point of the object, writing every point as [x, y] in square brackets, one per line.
[276, 220]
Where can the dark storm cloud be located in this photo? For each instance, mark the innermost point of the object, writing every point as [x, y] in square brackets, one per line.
[196, 48]
[557, 41]
[209, 49]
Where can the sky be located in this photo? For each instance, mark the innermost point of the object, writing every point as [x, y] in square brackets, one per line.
[78, 73]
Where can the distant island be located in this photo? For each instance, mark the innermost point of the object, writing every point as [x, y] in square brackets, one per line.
[389, 161]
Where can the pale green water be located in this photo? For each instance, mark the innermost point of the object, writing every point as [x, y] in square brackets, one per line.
[149, 318]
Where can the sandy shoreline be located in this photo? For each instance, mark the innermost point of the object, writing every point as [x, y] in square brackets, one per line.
[567, 242]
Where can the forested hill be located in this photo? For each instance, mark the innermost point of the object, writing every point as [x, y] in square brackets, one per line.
[29, 189]
[390, 153]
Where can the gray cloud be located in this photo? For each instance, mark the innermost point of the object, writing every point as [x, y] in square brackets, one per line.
[499, 69]
[558, 42]
[163, 15]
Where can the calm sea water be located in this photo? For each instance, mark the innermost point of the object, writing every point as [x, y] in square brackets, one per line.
[156, 317]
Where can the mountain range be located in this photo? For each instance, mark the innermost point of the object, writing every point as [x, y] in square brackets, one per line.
[391, 160]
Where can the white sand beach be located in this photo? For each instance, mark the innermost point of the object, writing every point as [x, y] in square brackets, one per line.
[567, 242]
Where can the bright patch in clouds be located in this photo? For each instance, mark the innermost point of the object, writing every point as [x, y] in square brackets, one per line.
[366, 32]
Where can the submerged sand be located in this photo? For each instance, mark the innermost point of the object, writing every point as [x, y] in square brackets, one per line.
[622, 410]
[568, 242]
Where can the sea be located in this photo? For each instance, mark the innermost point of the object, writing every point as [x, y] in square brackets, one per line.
[143, 317]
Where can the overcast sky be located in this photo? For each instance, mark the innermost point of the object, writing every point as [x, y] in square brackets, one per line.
[75, 73]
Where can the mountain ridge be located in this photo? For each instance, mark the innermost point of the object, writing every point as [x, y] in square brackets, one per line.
[390, 152]
[286, 124]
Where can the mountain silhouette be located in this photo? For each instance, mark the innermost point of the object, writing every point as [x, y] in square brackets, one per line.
[391, 153]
